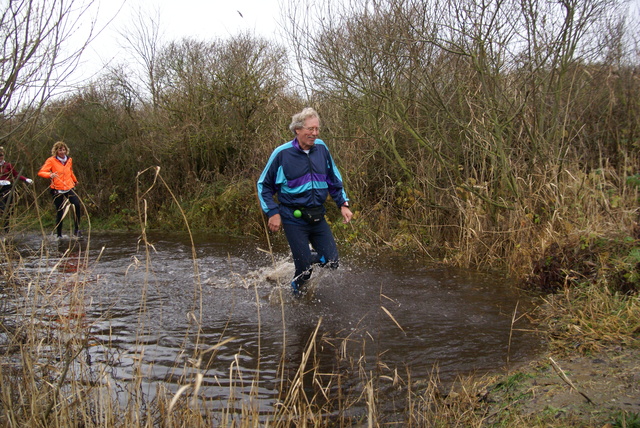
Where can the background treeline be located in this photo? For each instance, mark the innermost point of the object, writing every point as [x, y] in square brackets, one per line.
[475, 132]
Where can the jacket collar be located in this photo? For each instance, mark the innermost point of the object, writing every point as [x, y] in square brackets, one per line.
[296, 144]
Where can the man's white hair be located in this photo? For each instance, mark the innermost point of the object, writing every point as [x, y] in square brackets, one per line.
[298, 119]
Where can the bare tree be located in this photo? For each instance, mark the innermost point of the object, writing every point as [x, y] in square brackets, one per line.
[144, 41]
[220, 94]
[36, 53]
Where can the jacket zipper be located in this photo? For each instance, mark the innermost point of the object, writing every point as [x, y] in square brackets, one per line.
[313, 189]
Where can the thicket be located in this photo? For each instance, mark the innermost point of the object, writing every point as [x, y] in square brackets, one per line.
[478, 134]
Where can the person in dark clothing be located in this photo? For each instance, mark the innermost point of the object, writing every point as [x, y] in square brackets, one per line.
[8, 175]
[302, 173]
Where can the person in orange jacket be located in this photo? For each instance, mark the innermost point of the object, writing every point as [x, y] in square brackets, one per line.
[59, 169]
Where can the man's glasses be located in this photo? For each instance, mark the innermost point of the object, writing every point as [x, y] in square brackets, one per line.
[311, 129]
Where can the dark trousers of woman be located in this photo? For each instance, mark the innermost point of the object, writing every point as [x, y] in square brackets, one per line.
[5, 205]
[59, 200]
[321, 239]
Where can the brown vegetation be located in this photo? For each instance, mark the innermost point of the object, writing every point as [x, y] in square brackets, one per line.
[500, 134]
[463, 131]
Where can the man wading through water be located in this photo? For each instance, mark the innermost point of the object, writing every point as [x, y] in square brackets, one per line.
[302, 173]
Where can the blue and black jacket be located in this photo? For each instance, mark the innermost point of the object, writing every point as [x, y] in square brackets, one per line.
[300, 180]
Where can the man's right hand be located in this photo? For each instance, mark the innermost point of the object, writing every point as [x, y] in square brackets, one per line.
[275, 223]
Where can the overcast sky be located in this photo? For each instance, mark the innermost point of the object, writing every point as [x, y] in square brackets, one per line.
[200, 19]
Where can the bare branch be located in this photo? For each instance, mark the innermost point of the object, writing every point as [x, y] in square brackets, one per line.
[33, 57]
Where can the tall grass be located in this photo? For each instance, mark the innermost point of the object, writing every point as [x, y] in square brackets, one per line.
[48, 378]
[592, 318]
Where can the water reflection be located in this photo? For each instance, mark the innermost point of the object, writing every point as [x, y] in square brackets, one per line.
[154, 312]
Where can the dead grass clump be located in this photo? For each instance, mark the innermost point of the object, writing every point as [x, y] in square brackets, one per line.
[591, 318]
[611, 262]
[462, 405]
[561, 266]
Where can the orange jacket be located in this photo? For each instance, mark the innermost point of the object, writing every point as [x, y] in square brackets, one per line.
[66, 179]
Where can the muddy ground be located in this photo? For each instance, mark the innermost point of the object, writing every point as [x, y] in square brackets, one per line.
[600, 390]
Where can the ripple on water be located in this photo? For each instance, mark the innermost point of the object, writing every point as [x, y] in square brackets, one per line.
[153, 310]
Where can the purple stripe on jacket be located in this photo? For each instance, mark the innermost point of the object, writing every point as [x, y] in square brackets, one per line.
[301, 181]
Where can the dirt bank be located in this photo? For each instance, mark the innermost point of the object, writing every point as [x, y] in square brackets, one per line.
[586, 391]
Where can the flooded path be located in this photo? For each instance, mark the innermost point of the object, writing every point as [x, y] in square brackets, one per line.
[150, 308]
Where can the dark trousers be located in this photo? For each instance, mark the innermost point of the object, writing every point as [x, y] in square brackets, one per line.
[321, 239]
[59, 200]
[5, 205]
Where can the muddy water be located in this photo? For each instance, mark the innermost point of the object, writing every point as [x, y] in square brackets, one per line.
[150, 307]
